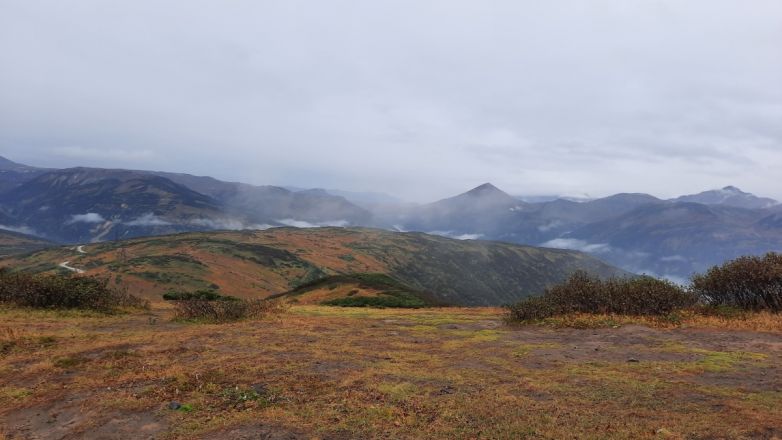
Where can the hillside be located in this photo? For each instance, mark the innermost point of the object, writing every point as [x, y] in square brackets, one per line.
[79, 205]
[264, 263]
[272, 204]
[679, 238]
[358, 290]
[13, 174]
[16, 243]
[85, 204]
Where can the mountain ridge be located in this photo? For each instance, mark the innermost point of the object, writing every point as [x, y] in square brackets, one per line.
[273, 261]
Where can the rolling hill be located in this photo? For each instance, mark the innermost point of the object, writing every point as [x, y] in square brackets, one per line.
[16, 243]
[274, 261]
[356, 290]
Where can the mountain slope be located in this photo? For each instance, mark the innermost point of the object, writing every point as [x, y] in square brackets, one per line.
[16, 243]
[359, 290]
[729, 196]
[272, 204]
[678, 238]
[264, 263]
[480, 211]
[13, 174]
[85, 204]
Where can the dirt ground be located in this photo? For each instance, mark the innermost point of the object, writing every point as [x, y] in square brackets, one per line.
[330, 373]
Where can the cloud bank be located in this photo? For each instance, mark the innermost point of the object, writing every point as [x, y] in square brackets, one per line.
[420, 99]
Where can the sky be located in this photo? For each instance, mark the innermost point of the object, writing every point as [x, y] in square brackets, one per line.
[419, 99]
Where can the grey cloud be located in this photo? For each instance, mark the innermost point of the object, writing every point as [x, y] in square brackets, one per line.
[303, 224]
[421, 99]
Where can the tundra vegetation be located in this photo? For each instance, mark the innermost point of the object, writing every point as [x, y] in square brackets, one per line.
[624, 370]
[740, 286]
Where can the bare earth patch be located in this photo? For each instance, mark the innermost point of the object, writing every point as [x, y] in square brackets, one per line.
[331, 373]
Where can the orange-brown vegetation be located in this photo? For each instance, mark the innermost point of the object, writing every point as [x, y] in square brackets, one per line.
[328, 372]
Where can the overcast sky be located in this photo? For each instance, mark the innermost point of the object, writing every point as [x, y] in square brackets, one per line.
[420, 99]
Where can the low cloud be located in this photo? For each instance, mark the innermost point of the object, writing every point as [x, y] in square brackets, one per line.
[451, 234]
[578, 245]
[468, 236]
[228, 224]
[674, 258]
[90, 217]
[20, 229]
[551, 225]
[148, 219]
[303, 224]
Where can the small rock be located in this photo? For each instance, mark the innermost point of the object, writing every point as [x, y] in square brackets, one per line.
[662, 432]
[174, 405]
[260, 388]
[446, 390]
[633, 360]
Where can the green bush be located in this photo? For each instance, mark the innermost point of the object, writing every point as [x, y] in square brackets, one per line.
[582, 293]
[388, 299]
[202, 295]
[63, 292]
[748, 283]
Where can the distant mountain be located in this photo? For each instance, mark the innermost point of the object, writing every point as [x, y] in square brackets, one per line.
[637, 232]
[87, 204]
[729, 196]
[476, 213]
[275, 205]
[365, 199]
[489, 213]
[676, 239]
[13, 174]
[264, 263]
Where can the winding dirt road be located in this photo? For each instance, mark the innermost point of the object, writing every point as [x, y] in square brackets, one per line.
[66, 264]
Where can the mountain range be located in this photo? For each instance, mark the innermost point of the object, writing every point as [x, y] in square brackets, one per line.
[637, 232]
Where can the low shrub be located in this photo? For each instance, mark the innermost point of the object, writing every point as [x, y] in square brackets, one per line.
[221, 310]
[749, 283]
[63, 292]
[392, 300]
[203, 295]
[582, 293]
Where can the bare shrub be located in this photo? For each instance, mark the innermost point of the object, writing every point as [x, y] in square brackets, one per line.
[218, 311]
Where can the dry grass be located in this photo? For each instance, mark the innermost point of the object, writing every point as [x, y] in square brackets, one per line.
[319, 372]
[757, 321]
